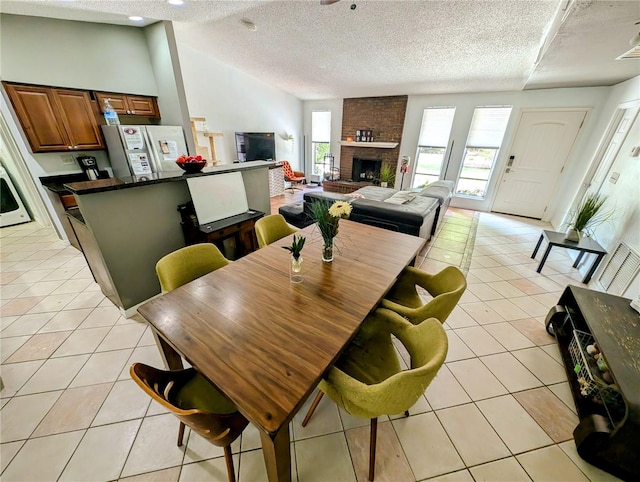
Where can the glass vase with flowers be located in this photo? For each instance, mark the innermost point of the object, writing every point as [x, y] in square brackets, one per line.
[327, 216]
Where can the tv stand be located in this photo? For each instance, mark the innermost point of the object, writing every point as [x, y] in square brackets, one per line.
[608, 435]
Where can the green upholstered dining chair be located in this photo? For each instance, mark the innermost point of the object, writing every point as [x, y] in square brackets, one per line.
[368, 380]
[188, 263]
[191, 398]
[272, 228]
[446, 288]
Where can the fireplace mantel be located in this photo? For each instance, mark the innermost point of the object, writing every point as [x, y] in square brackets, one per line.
[379, 145]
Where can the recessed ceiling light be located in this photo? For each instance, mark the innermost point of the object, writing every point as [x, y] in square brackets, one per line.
[136, 18]
[176, 2]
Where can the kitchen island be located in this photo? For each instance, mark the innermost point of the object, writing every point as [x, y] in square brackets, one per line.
[63, 201]
[130, 223]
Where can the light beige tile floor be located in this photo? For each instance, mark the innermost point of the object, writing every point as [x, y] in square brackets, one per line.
[500, 408]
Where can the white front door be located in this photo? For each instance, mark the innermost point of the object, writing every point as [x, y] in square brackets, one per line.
[541, 146]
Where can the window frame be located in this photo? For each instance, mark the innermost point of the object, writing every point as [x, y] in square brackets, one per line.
[318, 166]
[479, 147]
[491, 169]
[445, 147]
[417, 173]
[318, 163]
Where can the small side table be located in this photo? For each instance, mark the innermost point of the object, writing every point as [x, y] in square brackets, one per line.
[585, 245]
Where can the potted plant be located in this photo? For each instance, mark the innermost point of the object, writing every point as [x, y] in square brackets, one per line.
[387, 176]
[587, 216]
[296, 258]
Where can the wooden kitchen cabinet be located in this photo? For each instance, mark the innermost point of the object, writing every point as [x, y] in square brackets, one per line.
[125, 104]
[55, 119]
[77, 116]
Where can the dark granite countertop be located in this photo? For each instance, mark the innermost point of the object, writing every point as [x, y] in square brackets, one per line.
[56, 183]
[112, 184]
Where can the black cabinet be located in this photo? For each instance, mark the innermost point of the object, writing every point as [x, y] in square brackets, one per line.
[607, 394]
[237, 231]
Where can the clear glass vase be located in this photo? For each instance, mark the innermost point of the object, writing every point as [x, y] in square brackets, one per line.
[327, 251]
[295, 272]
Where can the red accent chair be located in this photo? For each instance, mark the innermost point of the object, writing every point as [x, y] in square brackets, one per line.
[291, 176]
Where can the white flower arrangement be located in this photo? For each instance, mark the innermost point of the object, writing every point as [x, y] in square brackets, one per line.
[327, 216]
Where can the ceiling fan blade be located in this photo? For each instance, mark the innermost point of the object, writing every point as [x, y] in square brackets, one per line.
[328, 2]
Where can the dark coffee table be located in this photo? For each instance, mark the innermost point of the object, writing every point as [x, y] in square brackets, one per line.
[585, 245]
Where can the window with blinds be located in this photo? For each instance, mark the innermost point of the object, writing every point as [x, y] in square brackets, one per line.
[483, 143]
[432, 144]
[320, 140]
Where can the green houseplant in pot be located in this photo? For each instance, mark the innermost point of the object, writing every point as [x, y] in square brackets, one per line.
[587, 216]
[387, 176]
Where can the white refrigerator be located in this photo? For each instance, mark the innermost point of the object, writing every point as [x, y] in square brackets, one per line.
[140, 150]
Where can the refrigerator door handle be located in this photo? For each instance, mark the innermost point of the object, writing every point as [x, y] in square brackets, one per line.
[155, 167]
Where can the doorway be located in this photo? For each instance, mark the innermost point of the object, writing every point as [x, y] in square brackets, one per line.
[14, 162]
[541, 146]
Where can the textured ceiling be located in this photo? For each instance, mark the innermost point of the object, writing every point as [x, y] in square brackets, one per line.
[584, 50]
[391, 47]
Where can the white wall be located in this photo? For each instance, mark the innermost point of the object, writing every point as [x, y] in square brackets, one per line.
[335, 107]
[233, 101]
[166, 69]
[602, 103]
[87, 56]
[78, 55]
[617, 95]
[592, 98]
[93, 56]
[624, 195]
[82, 55]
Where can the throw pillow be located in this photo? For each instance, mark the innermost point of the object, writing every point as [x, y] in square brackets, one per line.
[401, 197]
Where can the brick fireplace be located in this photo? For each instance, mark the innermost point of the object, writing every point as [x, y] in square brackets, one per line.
[365, 170]
[385, 117]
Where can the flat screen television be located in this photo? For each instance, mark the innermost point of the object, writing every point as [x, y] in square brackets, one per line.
[256, 146]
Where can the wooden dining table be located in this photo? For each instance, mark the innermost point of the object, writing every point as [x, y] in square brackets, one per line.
[266, 342]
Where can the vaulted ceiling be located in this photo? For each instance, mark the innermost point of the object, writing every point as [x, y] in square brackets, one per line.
[356, 48]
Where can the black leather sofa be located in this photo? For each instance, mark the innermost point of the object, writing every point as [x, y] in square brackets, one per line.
[419, 216]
